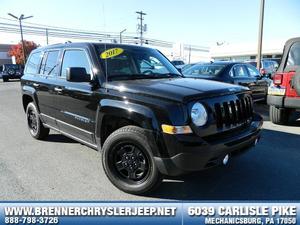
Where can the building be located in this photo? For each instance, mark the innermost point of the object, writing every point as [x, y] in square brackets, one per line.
[246, 51]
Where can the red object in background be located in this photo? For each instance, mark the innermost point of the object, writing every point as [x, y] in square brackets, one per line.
[17, 51]
[263, 71]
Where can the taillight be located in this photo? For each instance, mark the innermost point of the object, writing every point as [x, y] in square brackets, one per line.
[277, 80]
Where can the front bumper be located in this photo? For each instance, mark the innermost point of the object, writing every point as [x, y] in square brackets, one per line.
[194, 153]
[284, 102]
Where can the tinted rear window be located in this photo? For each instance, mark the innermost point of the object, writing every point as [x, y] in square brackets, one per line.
[206, 70]
[253, 63]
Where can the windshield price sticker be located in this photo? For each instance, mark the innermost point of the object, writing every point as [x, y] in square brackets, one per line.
[112, 52]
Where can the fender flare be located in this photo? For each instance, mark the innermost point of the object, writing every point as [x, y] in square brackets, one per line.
[30, 91]
[141, 115]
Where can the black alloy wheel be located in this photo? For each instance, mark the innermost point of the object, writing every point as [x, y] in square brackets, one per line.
[35, 125]
[32, 121]
[130, 163]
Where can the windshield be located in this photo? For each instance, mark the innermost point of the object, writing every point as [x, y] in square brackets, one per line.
[203, 70]
[12, 66]
[132, 62]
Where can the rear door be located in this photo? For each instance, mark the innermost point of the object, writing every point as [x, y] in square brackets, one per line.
[45, 86]
[75, 102]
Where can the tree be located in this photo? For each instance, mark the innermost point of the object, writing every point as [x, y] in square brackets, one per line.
[17, 51]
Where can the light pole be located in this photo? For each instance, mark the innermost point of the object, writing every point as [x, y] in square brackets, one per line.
[260, 33]
[121, 35]
[22, 17]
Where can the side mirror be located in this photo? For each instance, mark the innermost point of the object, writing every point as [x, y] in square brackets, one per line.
[77, 74]
[180, 70]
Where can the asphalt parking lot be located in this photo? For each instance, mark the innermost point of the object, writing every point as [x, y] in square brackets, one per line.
[62, 169]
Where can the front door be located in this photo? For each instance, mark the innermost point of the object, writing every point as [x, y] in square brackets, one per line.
[76, 103]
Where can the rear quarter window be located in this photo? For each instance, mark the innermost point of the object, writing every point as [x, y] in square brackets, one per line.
[33, 63]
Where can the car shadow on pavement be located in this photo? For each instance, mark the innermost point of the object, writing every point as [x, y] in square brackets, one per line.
[270, 171]
[262, 109]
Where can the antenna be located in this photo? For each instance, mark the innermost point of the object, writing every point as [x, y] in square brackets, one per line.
[105, 60]
[142, 28]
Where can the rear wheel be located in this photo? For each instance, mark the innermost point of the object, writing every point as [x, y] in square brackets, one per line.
[128, 161]
[279, 116]
[35, 126]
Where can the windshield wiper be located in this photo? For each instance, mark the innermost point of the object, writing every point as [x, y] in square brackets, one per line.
[130, 77]
[143, 76]
[172, 75]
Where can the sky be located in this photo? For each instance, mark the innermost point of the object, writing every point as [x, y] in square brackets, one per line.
[198, 22]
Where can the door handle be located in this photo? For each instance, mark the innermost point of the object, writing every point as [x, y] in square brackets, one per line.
[35, 84]
[58, 89]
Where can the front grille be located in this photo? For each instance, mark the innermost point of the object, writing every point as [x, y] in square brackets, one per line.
[233, 113]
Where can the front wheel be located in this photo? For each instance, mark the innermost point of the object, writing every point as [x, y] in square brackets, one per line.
[128, 161]
[35, 126]
[279, 116]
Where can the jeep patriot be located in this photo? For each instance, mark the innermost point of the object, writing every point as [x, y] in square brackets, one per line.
[130, 103]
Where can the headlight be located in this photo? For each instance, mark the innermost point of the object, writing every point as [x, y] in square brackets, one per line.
[199, 114]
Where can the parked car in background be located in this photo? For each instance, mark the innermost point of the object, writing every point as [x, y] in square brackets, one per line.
[186, 66]
[232, 72]
[11, 71]
[268, 67]
[178, 63]
[284, 94]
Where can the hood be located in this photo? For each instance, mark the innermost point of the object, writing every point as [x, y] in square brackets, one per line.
[177, 89]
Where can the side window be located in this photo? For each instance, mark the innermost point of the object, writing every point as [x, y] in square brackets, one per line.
[294, 55]
[240, 71]
[75, 58]
[51, 63]
[252, 71]
[32, 65]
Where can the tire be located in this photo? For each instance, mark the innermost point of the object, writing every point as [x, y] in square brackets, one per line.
[279, 116]
[35, 126]
[5, 79]
[140, 175]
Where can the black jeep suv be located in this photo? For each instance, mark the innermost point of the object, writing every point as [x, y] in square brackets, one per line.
[131, 103]
[11, 71]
